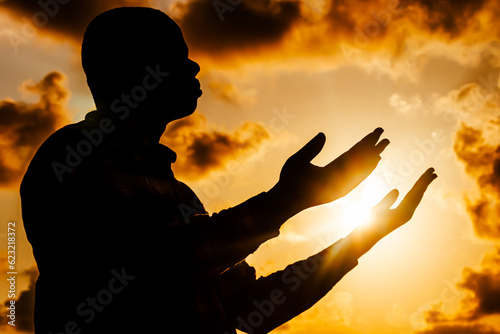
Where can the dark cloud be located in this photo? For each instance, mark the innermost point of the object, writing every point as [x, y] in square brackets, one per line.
[460, 328]
[449, 16]
[213, 26]
[238, 27]
[201, 149]
[482, 161]
[341, 17]
[24, 126]
[483, 287]
[482, 300]
[217, 26]
[68, 19]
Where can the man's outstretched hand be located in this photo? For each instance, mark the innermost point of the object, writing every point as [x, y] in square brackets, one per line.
[385, 220]
[304, 185]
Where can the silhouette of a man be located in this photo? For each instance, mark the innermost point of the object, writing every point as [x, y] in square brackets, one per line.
[101, 206]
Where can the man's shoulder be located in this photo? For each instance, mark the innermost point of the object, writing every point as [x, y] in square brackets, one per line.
[54, 151]
[57, 142]
[63, 136]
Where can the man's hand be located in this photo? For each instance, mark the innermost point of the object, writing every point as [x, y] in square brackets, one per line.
[304, 185]
[386, 220]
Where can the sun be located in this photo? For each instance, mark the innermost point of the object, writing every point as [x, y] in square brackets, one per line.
[356, 207]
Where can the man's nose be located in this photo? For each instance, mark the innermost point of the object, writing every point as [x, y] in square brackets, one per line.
[195, 68]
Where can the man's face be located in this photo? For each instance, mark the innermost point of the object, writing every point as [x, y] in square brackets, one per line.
[154, 50]
[178, 95]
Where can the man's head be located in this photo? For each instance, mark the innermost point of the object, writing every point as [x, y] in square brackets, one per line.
[123, 48]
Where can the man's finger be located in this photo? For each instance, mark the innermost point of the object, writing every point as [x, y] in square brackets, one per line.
[369, 143]
[414, 196]
[387, 202]
[364, 151]
[370, 139]
[380, 147]
[311, 149]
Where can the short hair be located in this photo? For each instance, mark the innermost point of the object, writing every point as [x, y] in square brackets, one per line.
[119, 43]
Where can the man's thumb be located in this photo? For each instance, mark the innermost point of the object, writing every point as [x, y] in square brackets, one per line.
[311, 149]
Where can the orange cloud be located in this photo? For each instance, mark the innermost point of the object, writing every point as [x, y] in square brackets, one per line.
[481, 302]
[393, 36]
[24, 126]
[479, 151]
[461, 328]
[482, 161]
[231, 94]
[446, 16]
[484, 288]
[201, 149]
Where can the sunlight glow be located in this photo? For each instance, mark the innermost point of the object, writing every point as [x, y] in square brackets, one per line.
[356, 207]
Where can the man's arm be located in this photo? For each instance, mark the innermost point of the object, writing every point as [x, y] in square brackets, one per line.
[222, 240]
[117, 202]
[285, 294]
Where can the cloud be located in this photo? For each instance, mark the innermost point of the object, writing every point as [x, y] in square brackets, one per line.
[447, 19]
[477, 147]
[475, 104]
[484, 288]
[201, 149]
[219, 26]
[231, 94]
[213, 26]
[481, 302]
[394, 37]
[405, 106]
[460, 328]
[482, 161]
[449, 16]
[474, 107]
[365, 25]
[68, 20]
[25, 126]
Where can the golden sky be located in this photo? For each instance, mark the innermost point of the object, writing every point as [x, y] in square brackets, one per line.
[274, 74]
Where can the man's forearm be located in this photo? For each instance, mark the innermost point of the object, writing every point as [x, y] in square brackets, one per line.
[226, 238]
[287, 293]
[277, 207]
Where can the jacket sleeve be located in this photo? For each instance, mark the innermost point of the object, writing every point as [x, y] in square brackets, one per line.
[261, 305]
[220, 241]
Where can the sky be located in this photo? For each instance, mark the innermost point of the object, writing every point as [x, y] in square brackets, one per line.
[274, 74]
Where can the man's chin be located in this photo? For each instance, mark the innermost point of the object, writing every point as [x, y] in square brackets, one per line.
[185, 112]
